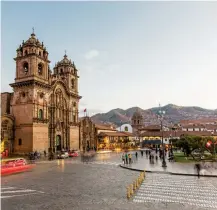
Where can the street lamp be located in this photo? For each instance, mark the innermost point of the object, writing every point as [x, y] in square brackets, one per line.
[161, 114]
[212, 132]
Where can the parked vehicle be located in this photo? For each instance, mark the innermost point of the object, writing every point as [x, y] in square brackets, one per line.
[63, 155]
[14, 163]
[73, 154]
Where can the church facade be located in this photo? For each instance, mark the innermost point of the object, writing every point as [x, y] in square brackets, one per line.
[42, 111]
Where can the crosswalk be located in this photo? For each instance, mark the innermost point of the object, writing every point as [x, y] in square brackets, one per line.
[10, 192]
[177, 189]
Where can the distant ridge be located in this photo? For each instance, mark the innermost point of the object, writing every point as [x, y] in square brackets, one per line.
[173, 114]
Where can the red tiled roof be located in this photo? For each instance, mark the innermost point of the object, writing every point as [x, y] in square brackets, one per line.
[113, 134]
[104, 127]
[178, 133]
[151, 127]
[193, 126]
[198, 121]
[211, 127]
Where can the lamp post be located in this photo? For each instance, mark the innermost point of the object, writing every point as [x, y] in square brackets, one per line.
[161, 114]
[213, 145]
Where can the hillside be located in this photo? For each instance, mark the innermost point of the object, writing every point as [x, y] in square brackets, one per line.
[173, 114]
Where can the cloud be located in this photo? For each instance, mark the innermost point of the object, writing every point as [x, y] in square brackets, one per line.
[91, 54]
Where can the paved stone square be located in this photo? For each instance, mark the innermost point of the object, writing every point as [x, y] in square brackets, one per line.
[101, 184]
[177, 189]
[143, 163]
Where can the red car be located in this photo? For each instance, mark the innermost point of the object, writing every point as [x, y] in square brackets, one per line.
[14, 163]
[73, 154]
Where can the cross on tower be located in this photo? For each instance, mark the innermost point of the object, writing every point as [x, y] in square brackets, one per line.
[65, 52]
[33, 30]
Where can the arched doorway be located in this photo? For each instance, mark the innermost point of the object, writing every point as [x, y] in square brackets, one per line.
[58, 142]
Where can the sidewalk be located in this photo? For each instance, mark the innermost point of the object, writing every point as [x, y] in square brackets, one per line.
[172, 167]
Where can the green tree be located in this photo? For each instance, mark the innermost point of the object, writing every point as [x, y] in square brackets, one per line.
[192, 144]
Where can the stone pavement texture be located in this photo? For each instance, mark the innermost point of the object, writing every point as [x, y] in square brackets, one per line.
[177, 189]
[143, 163]
[73, 185]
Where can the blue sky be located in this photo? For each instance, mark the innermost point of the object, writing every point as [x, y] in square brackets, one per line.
[128, 53]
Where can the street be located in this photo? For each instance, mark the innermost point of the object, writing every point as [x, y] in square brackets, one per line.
[70, 184]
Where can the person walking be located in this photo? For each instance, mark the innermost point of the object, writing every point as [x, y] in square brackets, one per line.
[130, 158]
[198, 167]
[136, 156]
[126, 158]
[45, 154]
[123, 158]
[142, 153]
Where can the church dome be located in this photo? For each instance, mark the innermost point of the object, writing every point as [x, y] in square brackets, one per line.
[33, 41]
[65, 62]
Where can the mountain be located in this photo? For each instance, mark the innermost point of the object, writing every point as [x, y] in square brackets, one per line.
[173, 114]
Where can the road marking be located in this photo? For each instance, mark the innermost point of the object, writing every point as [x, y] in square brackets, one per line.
[5, 188]
[16, 191]
[11, 196]
[10, 192]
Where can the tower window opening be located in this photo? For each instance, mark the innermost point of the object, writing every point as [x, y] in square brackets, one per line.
[20, 142]
[138, 121]
[40, 68]
[61, 71]
[40, 114]
[26, 52]
[26, 67]
[39, 53]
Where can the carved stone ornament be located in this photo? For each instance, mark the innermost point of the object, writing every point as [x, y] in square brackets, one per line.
[58, 126]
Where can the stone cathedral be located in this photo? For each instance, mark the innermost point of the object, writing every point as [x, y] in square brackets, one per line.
[42, 112]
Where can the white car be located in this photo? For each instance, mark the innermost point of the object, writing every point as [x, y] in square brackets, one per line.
[63, 155]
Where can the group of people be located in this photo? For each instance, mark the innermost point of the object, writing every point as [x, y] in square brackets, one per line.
[127, 158]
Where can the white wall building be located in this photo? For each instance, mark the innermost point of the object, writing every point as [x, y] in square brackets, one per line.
[125, 128]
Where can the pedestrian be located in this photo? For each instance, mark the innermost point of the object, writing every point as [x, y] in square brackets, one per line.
[130, 158]
[45, 154]
[136, 155]
[198, 167]
[123, 158]
[126, 158]
[142, 153]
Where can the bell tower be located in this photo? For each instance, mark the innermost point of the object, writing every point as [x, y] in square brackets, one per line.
[32, 61]
[30, 98]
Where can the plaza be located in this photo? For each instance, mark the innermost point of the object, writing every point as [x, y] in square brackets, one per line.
[101, 184]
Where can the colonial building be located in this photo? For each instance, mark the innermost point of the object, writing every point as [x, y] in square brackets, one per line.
[88, 134]
[125, 127]
[42, 112]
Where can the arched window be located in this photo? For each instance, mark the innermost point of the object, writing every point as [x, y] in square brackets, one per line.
[138, 121]
[61, 71]
[74, 118]
[25, 67]
[126, 128]
[40, 68]
[40, 114]
[39, 53]
[26, 52]
[19, 142]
